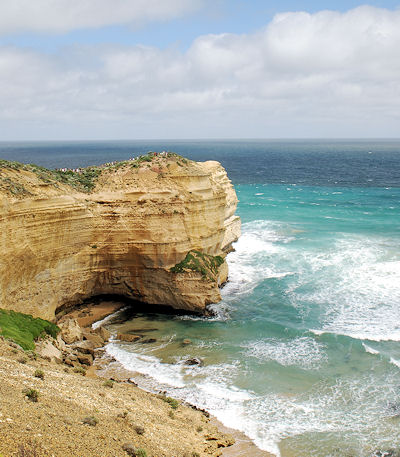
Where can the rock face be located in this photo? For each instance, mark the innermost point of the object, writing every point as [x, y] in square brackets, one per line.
[60, 246]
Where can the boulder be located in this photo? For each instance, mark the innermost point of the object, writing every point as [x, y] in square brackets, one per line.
[94, 338]
[149, 341]
[103, 332]
[48, 350]
[85, 359]
[127, 337]
[70, 331]
[85, 347]
[194, 361]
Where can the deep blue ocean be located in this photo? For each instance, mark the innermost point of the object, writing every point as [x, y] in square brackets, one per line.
[304, 352]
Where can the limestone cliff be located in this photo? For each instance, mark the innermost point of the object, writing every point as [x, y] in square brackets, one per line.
[124, 228]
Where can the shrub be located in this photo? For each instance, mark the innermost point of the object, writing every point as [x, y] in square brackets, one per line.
[172, 402]
[141, 452]
[39, 374]
[32, 394]
[109, 383]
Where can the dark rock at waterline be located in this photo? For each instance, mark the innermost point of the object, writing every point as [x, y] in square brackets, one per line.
[128, 337]
[149, 340]
[194, 361]
[388, 453]
[142, 330]
[196, 408]
[394, 409]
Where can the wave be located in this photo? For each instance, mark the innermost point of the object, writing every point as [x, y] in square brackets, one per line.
[348, 406]
[251, 262]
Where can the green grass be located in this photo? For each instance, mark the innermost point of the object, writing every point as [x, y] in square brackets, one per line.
[205, 264]
[24, 329]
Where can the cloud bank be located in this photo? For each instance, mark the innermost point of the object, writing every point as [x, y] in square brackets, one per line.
[59, 16]
[325, 74]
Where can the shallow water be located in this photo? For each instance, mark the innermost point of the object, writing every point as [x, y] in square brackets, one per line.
[304, 352]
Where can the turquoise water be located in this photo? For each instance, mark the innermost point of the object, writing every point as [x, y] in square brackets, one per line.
[303, 354]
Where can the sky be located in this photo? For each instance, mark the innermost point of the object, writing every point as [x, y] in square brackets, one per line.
[204, 69]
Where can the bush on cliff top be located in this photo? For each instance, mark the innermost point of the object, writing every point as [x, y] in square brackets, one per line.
[24, 329]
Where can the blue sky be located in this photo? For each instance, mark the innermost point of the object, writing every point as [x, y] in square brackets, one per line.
[82, 69]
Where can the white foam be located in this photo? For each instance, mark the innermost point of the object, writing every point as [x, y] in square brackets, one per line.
[370, 350]
[251, 263]
[357, 283]
[395, 362]
[108, 318]
[151, 366]
[303, 352]
[349, 405]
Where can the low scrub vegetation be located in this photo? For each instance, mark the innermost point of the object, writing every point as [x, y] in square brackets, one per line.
[83, 180]
[205, 264]
[32, 394]
[172, 402]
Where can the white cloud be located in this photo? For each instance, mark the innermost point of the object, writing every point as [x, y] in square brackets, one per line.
[58, 16]
[323, 74]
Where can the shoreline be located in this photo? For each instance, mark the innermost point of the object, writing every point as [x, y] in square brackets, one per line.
[90, 313]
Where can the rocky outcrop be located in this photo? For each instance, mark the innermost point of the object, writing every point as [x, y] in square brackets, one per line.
[60, 245]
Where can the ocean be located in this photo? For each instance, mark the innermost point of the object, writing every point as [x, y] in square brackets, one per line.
[303, 353]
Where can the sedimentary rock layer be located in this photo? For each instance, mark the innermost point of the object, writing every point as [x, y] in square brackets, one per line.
[60, 246]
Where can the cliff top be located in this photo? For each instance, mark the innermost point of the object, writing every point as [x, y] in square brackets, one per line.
[20, 180]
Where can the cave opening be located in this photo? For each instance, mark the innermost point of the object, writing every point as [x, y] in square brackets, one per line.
[98, 307]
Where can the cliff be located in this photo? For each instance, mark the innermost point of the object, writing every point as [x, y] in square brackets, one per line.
[155, 229]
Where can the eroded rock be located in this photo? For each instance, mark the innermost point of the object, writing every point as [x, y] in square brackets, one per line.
[123, 238]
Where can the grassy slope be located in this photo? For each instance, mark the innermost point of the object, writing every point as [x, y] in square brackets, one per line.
[24, 329]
